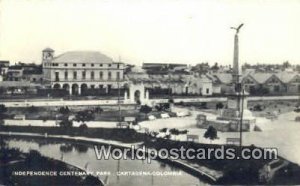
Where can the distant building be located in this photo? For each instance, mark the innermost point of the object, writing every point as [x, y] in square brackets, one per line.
[25, 72]
[80, 72]
[14, 73]
[272, 83]
[4, 67]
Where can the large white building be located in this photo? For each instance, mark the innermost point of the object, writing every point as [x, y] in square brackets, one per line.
[78, 71]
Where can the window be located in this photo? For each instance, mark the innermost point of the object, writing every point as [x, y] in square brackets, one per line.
[83, 65]
[101, 86]
[207, 91]
[118, 75]
[56, 76]
[101, 65]
[109, 65]
[109, 75]
[92, 86]
[83, 74]
[92, 75]
[101, 75]
[66, 64]
[74, 75]
[66, 75]
[74, 65]
[92, 64]
[118, 65]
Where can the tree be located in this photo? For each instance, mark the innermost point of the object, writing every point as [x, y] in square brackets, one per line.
[83, 128]
[32, 109]
[171, 100]
[64, 110]
[183, 132]
[85, 115]
[145, 109]
[67, 124]
[219, 105]
[174, 132]
[211, 133]
[3, 109]
[164, 130]
[286, 64]
[162, 107]
[215, 67]
[98, 110]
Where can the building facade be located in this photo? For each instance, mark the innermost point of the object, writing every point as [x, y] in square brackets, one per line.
[80, 71]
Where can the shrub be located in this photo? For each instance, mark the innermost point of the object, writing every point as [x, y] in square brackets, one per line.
[219, 105]
[145, 109]
[211, 133]
[64, 110]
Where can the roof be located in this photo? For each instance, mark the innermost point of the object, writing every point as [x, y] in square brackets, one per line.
[48, 50]
[286, 77]
[82, 57]
[224, 77]
[261, 77]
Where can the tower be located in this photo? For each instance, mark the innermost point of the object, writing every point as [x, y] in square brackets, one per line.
[47, 56]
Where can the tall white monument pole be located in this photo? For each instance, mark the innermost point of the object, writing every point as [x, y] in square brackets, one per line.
[236, 68]
[236, 78]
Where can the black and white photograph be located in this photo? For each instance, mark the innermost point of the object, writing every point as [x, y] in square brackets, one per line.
[149, 92]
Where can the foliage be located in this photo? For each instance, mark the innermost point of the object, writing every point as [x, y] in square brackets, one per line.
[164, 130]
[3, 109]
[162, 107]
[66, 123]
[64, 110]
[257, 107]
[174, 131]
[32, 109]
[98, 110]
[83, 128]
[145, 109]
[219, 105]
[171, 100]
[183, 132]
[85, 115]
[211, 133]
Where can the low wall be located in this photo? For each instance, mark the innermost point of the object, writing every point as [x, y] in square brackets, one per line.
[61, 102]
[54, 123]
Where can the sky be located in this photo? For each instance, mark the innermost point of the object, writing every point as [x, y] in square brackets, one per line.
[152, 31]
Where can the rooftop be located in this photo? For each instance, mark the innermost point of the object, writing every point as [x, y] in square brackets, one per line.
[82, 57]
